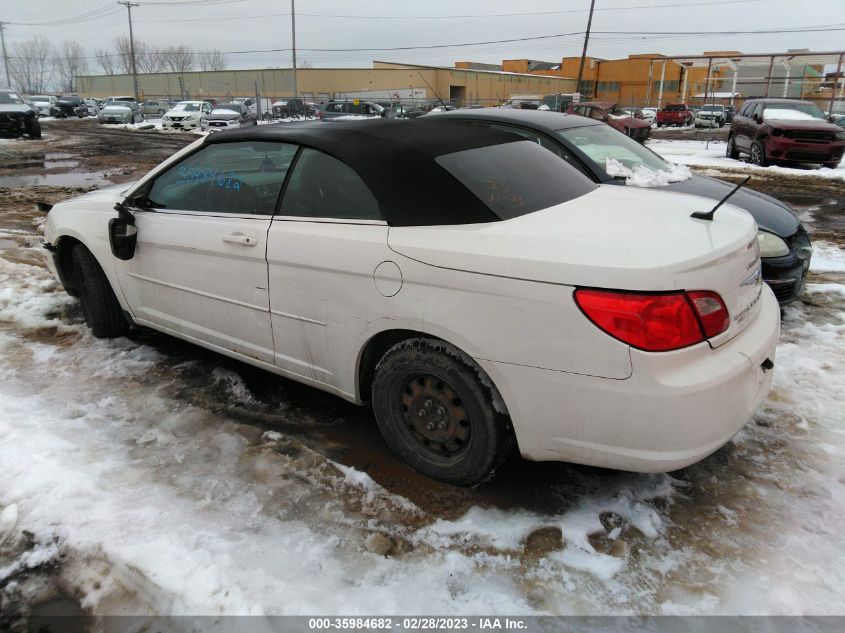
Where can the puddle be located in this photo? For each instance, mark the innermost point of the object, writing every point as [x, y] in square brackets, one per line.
[77, 179]
[60, 164]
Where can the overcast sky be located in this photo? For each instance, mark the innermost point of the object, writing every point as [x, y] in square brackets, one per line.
[242, 25]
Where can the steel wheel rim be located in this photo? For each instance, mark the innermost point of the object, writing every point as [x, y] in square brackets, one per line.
[755, 155]
[435, 416]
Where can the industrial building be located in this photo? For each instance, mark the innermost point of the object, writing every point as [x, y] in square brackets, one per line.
[653, 79]
[408, 82]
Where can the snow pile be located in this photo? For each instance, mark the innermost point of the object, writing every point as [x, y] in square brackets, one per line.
[642, 176]
[786, 114]
[352, 117]
[696, 153]
[827, 258]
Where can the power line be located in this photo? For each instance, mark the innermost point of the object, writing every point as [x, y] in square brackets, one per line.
[808, 29]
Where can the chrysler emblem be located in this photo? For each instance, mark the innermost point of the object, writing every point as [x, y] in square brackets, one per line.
[753, 279]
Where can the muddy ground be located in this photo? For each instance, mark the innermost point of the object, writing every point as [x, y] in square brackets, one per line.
[77, 156]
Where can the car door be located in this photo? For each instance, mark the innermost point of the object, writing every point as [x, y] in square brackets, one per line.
[199, 269]
[748, 126]
[323, 250]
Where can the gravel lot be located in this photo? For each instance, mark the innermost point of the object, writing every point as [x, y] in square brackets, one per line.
[145, 475]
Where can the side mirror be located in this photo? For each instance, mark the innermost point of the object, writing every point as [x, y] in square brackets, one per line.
[758, 118]
[122, 238]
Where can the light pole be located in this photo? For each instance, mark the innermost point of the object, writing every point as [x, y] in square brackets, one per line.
[293, 42]
[584, 52]
[129, 6]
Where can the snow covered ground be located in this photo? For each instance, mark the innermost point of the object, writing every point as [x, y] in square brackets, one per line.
[151, 498]
[697, 153]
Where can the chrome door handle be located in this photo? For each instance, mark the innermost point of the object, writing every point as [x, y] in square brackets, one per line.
[239, 238]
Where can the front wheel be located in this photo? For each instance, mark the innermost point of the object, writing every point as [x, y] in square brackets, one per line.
[33, 128]
[758, 154]
[437, 414]
[100, 306]
[730, 149]
[832, 165]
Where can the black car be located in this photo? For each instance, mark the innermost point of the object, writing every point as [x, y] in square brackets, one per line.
[68, 105]
[784, 243]
[17, 117]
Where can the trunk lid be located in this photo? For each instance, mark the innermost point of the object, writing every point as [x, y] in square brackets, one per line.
[612, 238]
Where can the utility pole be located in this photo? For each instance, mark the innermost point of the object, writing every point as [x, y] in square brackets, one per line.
[293, 42]
[6, 59]
[129, 6]
[584, 52]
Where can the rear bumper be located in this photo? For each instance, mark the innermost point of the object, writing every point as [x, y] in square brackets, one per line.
[674, 410]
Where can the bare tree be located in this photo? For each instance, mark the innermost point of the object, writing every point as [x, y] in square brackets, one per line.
[212, 60]
[123, 58]
[107, 61]
[177, 59]
[147, 58]
[30, 64]
[69, 62]
[304, 63]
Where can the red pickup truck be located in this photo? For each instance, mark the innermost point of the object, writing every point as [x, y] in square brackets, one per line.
[674, 114]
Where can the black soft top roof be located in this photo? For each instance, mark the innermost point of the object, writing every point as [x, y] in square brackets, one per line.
[537, 119]
[396, 160]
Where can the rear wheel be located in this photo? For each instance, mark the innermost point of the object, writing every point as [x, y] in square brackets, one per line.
[758, 154]
[100, 306]
[730, 150]
[435, 412]
[833, 165]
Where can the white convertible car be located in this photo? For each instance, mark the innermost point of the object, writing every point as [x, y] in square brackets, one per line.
[477, 290]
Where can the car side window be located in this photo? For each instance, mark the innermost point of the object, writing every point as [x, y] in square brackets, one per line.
[243, 177]
[758, 109]
[543, 142]
[321, 186]
[597, 114]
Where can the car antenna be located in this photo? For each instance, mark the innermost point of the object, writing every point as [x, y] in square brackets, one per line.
[432, 89]
[701, 215]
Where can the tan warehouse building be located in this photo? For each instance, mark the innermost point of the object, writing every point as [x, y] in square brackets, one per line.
[383, 80]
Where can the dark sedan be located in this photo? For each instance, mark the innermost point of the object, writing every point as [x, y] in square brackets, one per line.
[587, 144]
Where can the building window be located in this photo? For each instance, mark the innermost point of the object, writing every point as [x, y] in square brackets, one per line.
[671, 85]
[608, 86]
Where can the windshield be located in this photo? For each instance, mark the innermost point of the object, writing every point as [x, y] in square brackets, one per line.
[517, 178]
[40, 98]
[600, 142]
[187, 106]
[792, 111]
[9, 97]
[713, 108]
[235, 107]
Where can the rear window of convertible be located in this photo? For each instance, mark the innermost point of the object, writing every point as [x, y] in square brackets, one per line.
[513, 179]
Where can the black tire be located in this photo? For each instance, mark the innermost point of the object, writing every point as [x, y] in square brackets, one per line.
[160, 112]
[730, 149]
[758, 154]
[833, 165]
[33, 128]
[437, 415]
[102, 311]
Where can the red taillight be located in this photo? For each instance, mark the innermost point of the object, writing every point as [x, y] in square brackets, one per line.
[655, 322]
[711, 312]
